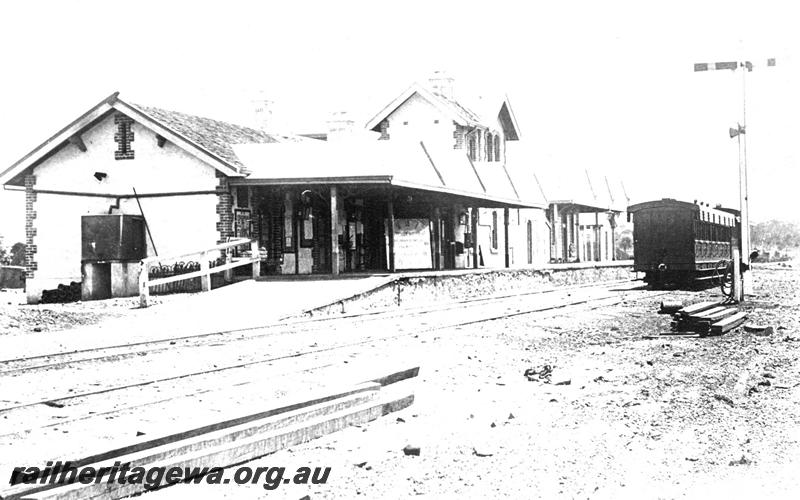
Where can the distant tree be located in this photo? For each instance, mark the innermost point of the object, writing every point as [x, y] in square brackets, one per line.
[625, 245]
[18, 254]
[775, 234]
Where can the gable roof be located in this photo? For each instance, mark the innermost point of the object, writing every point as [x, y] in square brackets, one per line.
[483, 111]
[589, 189]
[207, 139]
[213, 135]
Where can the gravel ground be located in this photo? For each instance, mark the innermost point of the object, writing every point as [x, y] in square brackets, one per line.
[18, 317]
[621, 416]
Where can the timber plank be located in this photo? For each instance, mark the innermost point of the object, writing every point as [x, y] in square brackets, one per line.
[728, 323]
[696, 308]
[191, 440]
[226, 453]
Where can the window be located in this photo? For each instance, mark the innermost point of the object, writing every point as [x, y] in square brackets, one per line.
[497, 147]
[494, 229]
[489, 148]
[472, 148]
[242, 196]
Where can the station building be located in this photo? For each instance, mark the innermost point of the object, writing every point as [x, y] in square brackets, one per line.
[586, 212]
[439, 197]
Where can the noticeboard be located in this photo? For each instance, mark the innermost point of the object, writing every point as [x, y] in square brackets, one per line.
[412, 244]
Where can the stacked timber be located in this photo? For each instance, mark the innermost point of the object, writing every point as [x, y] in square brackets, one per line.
[706, 318]
[684, 318]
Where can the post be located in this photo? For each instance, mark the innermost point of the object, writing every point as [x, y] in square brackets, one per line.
[474, 221]
[598, 247]
[144, 287]
[334, 233]
[736, 279]
[577, 231]
[228, 274]
[437, 239]
[613, 223]
[505, 236]
[747, 285]
[555, 242]
[390, 219]
[205, 279]
[256, 256]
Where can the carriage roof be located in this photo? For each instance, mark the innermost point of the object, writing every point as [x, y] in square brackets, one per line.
[724, 216]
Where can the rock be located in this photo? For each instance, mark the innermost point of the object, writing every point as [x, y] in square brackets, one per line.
[766, 332]
[765, 383]
[411, 450]
[139, 433]
[768, 375]
[511, 416]
[361, 464]
[762, 330]
[741, 461]
[493, 425]
[482, 452]
[542, 373]
[37, 328]
[725, 399]
[399, 420]
[564, 382]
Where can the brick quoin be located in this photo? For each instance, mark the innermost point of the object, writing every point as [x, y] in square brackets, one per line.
[30, 228]
[384, 130]
[224, 209]
[123, 137]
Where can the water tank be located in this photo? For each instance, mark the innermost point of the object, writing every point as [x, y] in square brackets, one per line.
[112, 238]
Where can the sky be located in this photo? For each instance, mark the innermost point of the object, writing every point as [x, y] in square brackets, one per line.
[607, 86]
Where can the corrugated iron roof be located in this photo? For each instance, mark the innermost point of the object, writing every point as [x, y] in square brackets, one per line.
[400, 164]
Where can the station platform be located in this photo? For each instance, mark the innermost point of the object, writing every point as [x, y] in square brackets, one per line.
[257, 303]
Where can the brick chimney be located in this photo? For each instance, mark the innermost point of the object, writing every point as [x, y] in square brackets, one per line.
[441, 83]
[261, 109]
[340, 124]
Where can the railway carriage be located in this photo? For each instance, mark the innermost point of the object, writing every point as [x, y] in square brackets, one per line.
[676, 242]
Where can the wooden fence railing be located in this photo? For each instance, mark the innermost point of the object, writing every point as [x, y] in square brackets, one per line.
[248, 257]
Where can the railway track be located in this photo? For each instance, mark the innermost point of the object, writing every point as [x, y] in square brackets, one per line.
[120, 351]
[102, 400]
[477, 313]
